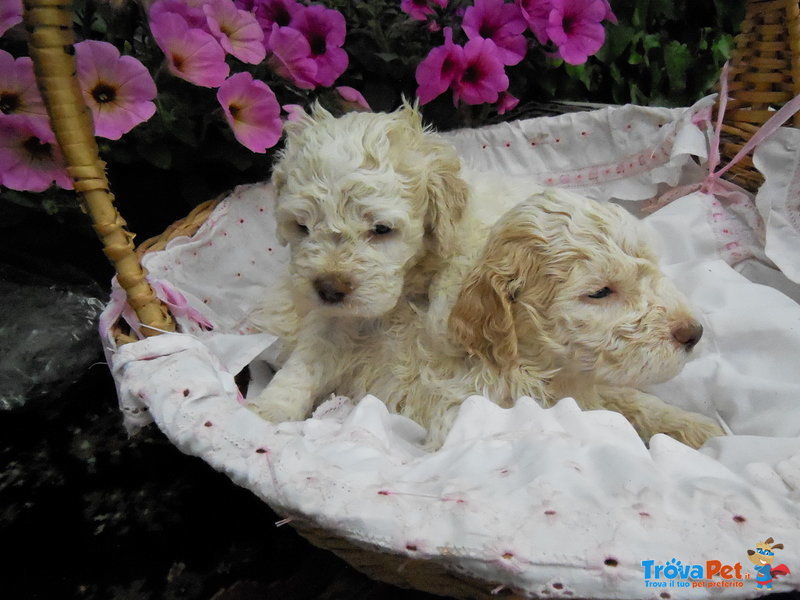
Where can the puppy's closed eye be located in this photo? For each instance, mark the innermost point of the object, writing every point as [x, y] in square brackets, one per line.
[301, 228]
[603, 292]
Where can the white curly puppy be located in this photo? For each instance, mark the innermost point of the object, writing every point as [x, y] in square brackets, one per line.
[565, 299]
[369, 204]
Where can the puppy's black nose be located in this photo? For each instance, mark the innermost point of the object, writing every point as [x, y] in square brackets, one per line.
[688, 334]
[332, 288]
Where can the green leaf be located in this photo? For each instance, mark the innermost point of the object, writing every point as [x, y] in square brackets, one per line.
[677, 58]
[618, 39]
[722, 48]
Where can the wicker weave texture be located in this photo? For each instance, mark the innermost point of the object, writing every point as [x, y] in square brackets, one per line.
[764, 75]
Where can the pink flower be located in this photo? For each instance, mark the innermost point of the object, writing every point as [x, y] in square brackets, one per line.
[575, 27]
[352, 98]
[506, 102]
[484, 75]
[420, 9]
[291, 57]
[118, 89]
[294, 112]
[10, 14]
[193, 14]
[29, 158]
[252, 111]
[271, 12]
[18, 92]
[437, 71]
[500, 22]
[325, 29]
[237, 31]
[537, 15]
[192, 54]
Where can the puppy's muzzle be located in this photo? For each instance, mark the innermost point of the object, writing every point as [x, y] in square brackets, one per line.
[333, 288]
[688, 334]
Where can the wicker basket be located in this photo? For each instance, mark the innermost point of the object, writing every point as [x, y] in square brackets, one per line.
[764, 75]
[763, 71]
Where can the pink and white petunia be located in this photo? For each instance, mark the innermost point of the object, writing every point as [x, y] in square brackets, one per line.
[237, 31]
[484, 75]
[30, 160]
[325, 30]
[192, 12]
[252, 111]
[501, 22]
[192, 54]
[291, 57]
[437, 71]
[352, 99]
[18, 92]
[575, 26]
[118, 89]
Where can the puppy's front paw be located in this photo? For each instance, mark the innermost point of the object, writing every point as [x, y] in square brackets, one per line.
[697, 430]
[278, 410]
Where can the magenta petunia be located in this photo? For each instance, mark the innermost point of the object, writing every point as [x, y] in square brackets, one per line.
[252, 111]
[575, 27]
[506, 102]
[118, 89]
[291, 57]
[10, 14]
[237, 31]
[325, 30]
[30, 160]
[192, 54]
[501, 22]
[18, 92]
[271, 12]
[537, 14]
[419, 10]
[352, 99]
[484, 75]
[437, 71]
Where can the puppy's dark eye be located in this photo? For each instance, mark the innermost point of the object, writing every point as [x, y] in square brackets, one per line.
[602, 293]
[381, 229]
[302, 228]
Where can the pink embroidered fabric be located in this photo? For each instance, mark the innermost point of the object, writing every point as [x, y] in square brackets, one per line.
[543, 502]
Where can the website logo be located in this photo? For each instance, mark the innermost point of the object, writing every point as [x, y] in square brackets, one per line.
[714, 573]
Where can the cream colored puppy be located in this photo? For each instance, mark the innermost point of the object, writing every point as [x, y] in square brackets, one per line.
[565, 299]
[369, 205]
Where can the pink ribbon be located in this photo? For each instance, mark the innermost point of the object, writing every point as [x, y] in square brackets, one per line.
[713, 184]
[767, 129]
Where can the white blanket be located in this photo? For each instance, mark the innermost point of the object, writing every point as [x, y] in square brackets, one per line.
[550, 502]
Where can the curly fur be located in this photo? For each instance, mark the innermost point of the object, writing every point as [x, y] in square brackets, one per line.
[340, 184]
[517, 319]
[432, 312]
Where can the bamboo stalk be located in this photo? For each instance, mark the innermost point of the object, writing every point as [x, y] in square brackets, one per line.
[49, 23]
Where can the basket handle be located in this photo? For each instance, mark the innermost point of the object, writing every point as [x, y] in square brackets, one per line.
[49, 23]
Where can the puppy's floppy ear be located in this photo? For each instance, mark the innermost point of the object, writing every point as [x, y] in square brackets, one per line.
[483, 318]
[434, 168]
